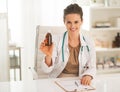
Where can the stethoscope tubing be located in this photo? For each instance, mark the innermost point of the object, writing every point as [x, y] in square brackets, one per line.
[63, 41]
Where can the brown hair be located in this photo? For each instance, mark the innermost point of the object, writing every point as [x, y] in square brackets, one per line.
[73, 8]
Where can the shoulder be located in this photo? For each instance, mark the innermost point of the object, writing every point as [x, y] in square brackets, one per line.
[89, 40]
[57, 39]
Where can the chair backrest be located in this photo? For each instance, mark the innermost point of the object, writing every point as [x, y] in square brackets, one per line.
[40, 35]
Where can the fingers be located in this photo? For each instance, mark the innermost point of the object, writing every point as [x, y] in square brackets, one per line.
[47, 50]
[86, 80]
[42, 45]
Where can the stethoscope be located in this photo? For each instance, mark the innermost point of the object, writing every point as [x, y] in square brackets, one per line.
[63, 41]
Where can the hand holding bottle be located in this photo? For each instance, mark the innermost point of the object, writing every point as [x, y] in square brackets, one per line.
[47, 48]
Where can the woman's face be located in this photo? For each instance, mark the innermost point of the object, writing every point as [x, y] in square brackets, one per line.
[73, 23]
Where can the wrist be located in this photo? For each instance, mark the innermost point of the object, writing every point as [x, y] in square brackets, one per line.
[88, 76]
[48, 60]
[48, 57]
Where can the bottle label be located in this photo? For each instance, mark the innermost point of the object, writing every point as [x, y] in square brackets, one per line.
[48, 39]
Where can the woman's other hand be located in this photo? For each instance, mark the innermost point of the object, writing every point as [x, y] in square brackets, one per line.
[86, 80]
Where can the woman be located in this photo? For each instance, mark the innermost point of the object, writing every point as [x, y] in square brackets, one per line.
[73, 54]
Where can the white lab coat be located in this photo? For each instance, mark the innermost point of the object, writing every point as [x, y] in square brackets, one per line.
[85, 56]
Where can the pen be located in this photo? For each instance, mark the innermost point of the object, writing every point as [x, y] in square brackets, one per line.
[76, 84]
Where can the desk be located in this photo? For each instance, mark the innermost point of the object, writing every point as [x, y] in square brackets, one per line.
[106, 84]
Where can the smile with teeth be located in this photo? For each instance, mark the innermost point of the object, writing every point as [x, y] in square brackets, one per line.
[72, 29]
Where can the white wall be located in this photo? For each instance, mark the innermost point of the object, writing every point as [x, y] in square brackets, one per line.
[3, 7]
[50, 13]
[15, 20]
[4, 61]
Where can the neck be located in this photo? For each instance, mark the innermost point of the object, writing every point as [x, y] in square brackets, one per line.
[74, 40]
[74, 37]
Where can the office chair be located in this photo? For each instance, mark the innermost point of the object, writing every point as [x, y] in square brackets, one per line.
[40, 35]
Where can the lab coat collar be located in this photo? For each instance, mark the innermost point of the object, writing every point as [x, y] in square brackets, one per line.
[82, 40]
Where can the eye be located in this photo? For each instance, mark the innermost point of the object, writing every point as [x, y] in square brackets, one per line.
[68, 22]
[76, 22]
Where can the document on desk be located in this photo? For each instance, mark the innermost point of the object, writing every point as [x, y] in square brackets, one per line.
[73, 85]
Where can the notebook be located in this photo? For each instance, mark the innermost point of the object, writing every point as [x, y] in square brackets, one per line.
[73, 85]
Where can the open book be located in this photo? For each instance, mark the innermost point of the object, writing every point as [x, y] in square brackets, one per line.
[72, 85]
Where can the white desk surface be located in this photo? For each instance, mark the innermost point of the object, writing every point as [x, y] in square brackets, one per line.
[103, 84]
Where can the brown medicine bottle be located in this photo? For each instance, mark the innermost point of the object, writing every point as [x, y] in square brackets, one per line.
[48, 39]
[118, 39]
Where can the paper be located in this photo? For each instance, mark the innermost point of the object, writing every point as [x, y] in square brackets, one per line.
[72, 85]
